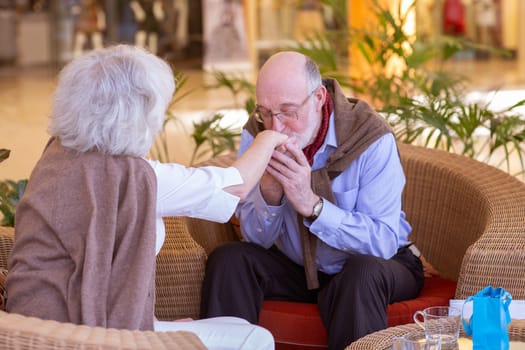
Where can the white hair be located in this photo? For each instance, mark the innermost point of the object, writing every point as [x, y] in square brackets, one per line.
[313, 76]
[112, 100]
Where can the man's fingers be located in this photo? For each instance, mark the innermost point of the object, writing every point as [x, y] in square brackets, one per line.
[297, 154]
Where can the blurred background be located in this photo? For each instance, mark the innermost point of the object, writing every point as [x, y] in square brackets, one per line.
[201, 37]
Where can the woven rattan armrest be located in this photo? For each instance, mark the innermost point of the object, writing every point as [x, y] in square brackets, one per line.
[180, 270]
[382, 340]
[182, 260]
[498, 257]
[467, 219]
[447, 199]
[21, 332]
[467, 212]
[7, 237]
[179, 273]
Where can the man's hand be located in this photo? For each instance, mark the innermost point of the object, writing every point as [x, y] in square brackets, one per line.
[291, 170]
[271, 190]
[428, 269]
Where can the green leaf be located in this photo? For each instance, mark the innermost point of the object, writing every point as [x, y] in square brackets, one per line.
[4, 154]
[10, 194]
[217, 138]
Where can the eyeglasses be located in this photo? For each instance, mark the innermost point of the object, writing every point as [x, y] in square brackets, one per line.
[262, 114]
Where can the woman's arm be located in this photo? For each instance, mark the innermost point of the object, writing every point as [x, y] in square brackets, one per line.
[252, 163]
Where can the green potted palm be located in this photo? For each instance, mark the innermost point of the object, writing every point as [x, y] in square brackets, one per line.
[8, 201]
[209, 135]
[212, 137]
[424, 103]
[10, 193]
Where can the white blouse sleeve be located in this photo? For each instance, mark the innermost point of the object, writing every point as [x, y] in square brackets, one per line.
[195, 192]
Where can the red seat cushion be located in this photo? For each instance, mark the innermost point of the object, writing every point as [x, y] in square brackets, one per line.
[299, 326]
[436, 291]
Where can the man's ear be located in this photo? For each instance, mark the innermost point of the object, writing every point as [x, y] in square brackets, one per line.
[320, 96]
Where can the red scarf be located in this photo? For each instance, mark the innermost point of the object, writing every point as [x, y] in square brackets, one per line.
[310, 150]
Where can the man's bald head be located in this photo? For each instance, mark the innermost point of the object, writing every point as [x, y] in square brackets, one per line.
[288, 71]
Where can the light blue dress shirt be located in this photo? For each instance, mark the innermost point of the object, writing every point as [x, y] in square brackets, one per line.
[367, 217]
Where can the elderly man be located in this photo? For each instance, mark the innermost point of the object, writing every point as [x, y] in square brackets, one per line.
[325, 225]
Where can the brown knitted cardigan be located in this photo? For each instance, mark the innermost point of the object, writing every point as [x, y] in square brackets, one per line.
[84, 247]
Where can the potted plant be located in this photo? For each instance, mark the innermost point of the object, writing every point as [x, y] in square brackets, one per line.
[423, 102]
[8, 201]
[216, 136]
[10, 193]
[210, 136]
[427, 104]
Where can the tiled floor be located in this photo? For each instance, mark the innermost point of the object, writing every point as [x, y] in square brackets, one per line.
[25, 95]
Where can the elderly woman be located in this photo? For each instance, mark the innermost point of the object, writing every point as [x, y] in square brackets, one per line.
[90, 222]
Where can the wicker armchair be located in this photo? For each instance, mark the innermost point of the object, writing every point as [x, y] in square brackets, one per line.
[487, 207]
[468, 219]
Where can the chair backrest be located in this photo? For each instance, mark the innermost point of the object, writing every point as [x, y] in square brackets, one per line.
[453, 202]
[447, 211]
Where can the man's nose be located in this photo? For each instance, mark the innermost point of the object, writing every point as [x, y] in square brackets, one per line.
[277, 124]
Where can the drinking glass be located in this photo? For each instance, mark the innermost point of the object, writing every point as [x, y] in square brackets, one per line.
[415, 341]
[440, 322]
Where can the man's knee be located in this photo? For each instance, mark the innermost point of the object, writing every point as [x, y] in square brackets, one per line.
[231, 254]
[363, 266]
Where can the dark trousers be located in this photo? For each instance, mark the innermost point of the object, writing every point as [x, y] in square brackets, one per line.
[352, 303]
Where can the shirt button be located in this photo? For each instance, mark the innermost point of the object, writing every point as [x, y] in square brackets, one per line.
[273, 214]
[259, 230]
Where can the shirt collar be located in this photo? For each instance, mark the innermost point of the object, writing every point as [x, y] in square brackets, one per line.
[328, 147]
[330, 139]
